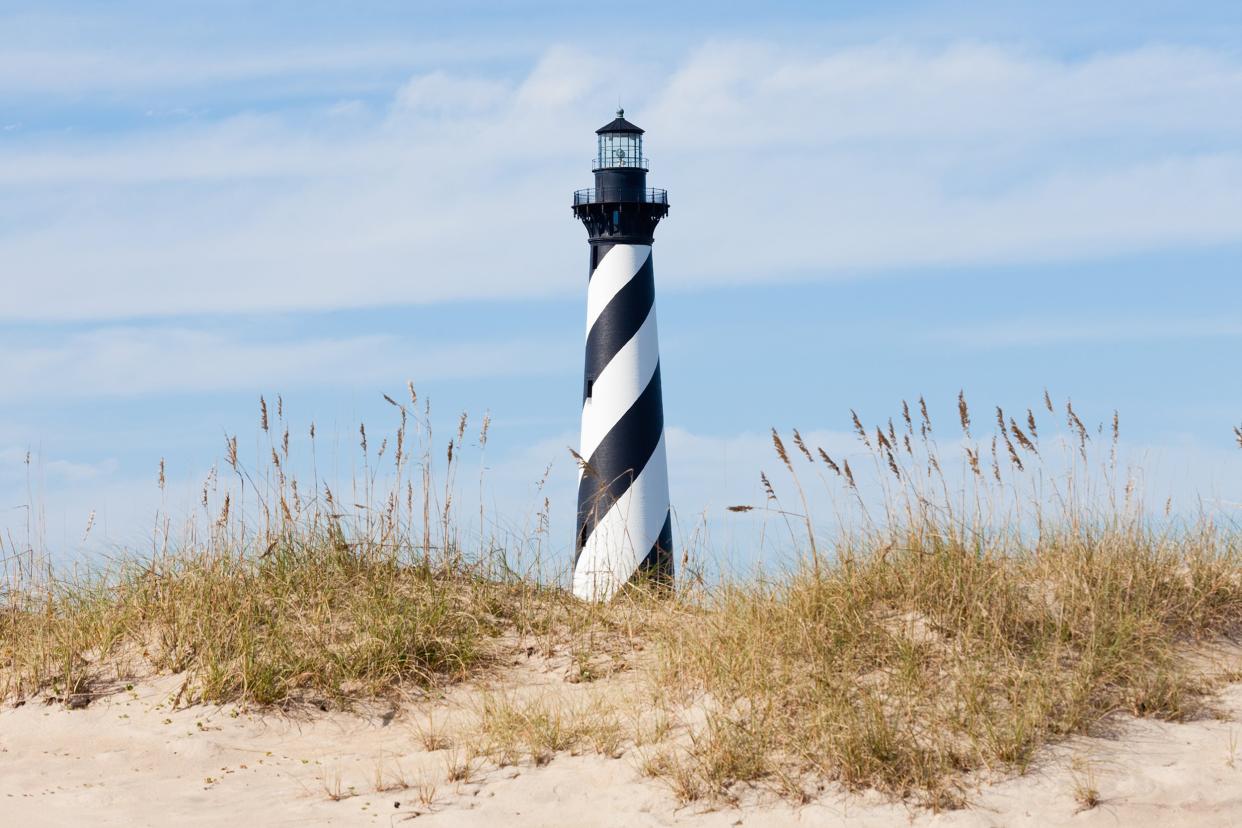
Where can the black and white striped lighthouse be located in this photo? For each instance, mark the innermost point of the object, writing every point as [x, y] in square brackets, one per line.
[624, 524]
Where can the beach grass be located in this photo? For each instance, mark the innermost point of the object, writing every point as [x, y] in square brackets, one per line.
[945, 628]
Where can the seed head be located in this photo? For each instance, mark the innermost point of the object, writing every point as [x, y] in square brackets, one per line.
[858, 427]
[828, 460]
[780, 450]
[797, 438]
[767, 485]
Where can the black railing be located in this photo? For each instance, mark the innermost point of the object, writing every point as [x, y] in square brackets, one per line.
[594, 195]
[623, 160]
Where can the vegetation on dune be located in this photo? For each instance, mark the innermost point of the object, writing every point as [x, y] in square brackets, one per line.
[925, 657]
[313, 622]
[280, 593]
[957, 633]
[943, 628]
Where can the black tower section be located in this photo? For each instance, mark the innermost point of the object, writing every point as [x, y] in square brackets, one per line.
[620, 208]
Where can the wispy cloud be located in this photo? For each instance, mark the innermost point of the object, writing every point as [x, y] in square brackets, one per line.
[899, 156]
[121, 362]
[14, 458]
[1026, 332]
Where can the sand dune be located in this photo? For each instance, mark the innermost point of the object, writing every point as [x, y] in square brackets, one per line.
[128, 759]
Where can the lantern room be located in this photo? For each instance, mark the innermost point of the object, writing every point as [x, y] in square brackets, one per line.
[620, 145]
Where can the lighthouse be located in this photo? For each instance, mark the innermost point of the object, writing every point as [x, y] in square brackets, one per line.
[624, 527]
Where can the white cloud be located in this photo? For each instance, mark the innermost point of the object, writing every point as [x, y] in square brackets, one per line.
[13, 463]
[121, 361]
[753, 94]
[1039, 332]
[781, 165]
[56, 70]
[440, 93]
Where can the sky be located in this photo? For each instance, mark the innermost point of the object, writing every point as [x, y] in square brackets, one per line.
[205, 203]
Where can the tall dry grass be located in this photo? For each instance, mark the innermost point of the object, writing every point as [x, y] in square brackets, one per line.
[974, 599]
[957, 626]
[281, 589]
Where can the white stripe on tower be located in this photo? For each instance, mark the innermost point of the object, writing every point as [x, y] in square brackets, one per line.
[619, 384]
[623, 501]
[627, 533]
[615, 270]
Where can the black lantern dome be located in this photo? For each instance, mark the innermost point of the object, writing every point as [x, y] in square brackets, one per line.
[620, 208]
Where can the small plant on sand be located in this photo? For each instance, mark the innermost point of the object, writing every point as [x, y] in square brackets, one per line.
[425, 788]
[432, 736]
[1086, 792]
[462, 763]
[539, 729]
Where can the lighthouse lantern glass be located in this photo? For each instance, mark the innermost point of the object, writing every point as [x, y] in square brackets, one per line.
[620, 149]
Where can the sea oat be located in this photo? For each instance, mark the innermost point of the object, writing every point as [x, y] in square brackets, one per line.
[767, 485]
[828, 461]
[780, 450]
[1022, 439]
[972, 456]
[797, 438]
[1013, 455]
[858, 427]
[881, 439]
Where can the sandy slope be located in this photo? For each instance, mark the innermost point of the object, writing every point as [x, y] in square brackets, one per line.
[128, 759]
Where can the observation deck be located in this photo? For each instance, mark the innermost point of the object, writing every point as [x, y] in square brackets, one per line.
[620, 195]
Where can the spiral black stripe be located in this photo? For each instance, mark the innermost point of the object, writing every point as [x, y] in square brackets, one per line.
[620, 320]
[598, 252]
[657, 566]
[619, 459]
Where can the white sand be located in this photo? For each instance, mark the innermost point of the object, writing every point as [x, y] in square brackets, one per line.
[129, 760]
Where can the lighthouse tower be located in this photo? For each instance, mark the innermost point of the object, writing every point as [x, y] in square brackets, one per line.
[624, 526]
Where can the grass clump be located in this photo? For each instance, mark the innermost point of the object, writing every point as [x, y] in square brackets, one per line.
[303, 600]
[940, 641]
[539, 728]
[313, 622]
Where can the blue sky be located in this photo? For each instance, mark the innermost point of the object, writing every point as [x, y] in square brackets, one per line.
[871, 201]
